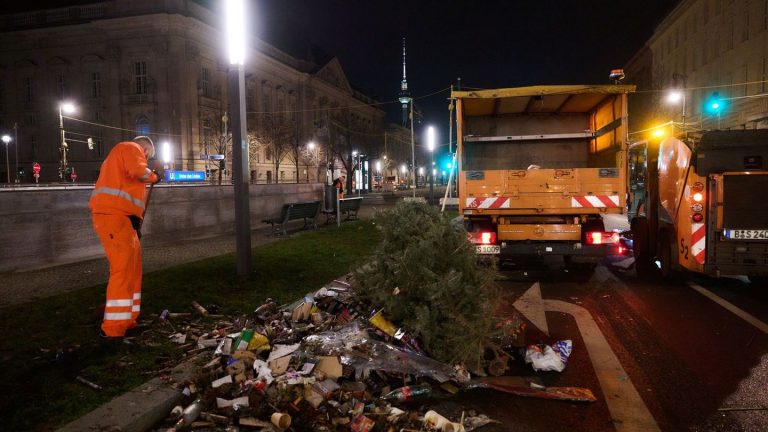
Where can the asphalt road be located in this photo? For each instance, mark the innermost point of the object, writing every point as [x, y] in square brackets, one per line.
[696, 362]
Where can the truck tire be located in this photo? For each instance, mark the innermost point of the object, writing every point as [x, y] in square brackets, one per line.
[640, 249]
[667, 253]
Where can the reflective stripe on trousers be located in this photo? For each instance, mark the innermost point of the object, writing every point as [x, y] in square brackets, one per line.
[120, 194]
[123, 251]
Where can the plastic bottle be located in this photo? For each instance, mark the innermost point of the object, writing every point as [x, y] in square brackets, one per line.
[190, 414]
[407, 393]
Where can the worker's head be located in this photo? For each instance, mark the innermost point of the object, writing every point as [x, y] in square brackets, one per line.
[146, 143]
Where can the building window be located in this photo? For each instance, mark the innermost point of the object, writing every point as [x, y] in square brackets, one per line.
[745, 27]
[29, 90]
[205, 82]
[142, 126]
[140, 77]
[268, 153]
[207, 135]
[96, 84]
[61, 85]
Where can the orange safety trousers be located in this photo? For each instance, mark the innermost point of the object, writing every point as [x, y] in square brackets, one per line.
[123, 251]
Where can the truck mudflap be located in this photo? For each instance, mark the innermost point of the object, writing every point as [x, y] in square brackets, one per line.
[580, 252]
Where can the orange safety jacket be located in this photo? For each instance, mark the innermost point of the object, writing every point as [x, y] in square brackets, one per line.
[121, 186]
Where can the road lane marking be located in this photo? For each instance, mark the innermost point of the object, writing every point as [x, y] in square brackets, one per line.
[751, 319]
[530, 305]
[628, 411]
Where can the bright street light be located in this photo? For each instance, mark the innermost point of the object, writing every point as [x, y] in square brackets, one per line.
[68, 108]
[431, 139]
[658, 133]
[236, 35]
[404, 169]
[311, 146]
[166, 152]
[675, 96]
[378, 166]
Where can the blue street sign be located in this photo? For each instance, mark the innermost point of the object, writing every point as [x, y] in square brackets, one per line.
[184, 176]
[203, 156]
[216, 157]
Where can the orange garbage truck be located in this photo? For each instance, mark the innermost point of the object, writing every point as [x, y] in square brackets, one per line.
[701, 205]
[539, 167]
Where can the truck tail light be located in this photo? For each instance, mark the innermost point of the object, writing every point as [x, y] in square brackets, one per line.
[697, 217]
[698, 197]
[483, 237]
[599, 237]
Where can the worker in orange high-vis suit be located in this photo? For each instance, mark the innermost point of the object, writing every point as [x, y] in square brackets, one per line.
[117, 208]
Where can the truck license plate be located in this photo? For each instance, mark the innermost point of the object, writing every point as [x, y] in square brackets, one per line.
[488, 249]
[747, 234]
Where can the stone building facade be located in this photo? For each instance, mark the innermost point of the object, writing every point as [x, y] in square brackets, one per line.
[158, 68]
[711, 49]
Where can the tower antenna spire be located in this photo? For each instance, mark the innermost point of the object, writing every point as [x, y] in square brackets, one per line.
[405, 95]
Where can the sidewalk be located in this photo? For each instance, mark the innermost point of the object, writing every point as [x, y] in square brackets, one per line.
[22, 287]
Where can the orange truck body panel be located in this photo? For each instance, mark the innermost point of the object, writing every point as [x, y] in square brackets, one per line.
[537, 163]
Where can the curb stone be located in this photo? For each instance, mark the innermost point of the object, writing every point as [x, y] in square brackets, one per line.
[139, 409]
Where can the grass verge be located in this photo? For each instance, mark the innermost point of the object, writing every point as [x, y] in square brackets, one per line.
[50, 341]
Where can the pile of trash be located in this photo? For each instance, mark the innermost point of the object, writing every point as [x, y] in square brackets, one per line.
[324, 364]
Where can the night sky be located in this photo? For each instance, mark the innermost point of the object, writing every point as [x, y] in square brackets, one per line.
[488, 43]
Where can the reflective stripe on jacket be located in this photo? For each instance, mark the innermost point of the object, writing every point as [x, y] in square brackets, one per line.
[121, 186]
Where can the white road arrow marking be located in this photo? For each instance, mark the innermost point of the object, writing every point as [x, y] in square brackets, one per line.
[530, 305]
[627, 408]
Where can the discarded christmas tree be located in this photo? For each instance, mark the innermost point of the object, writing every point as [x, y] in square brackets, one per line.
[425, 276]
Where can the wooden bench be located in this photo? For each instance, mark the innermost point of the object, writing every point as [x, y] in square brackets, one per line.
[295, 211]
[349, 206]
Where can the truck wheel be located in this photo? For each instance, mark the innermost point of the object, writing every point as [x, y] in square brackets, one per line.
[640, 249]
[667, 253]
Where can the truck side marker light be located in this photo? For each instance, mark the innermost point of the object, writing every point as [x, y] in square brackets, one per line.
[698, 197]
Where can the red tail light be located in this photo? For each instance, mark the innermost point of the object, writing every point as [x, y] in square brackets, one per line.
[599, 237]
[483, 237]
[594, 237]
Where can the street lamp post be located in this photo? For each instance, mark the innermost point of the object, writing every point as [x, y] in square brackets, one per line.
[16, 146]
[6, 140]
[64, 108]
[678, 95]
[431, 148]
[236, 42]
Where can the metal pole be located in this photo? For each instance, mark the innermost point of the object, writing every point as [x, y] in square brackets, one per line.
[63, 167]
[16, 141]
[432, 178]
[450, 139]
[413, 153]
[7, 164]
[240, 170]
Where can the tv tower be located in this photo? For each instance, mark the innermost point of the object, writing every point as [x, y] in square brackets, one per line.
[405, 95]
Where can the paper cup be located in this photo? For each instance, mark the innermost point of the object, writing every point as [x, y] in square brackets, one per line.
[281, 420]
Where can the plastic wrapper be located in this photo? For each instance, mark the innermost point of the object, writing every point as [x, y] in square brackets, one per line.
[549, 358]
[365, 355]
[336, 342]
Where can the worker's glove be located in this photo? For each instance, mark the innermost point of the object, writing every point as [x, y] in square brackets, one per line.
[159, 177]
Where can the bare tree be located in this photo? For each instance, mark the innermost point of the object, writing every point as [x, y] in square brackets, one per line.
[275, 135]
